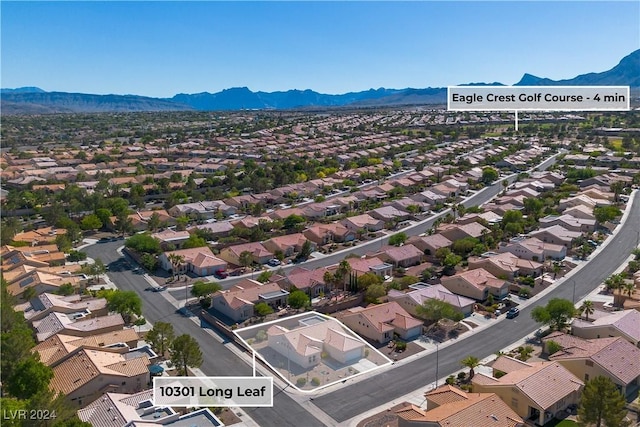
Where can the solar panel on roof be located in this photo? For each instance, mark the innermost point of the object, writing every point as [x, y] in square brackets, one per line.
[26, 282]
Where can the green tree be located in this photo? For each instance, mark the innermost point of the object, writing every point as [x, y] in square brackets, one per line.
[202, 289]
[298, 299]
[292, 221]
[11, 405]
[104, 215]
[601, 404]
[305, 251]
[450, 263]
[185, 352]
[264, 276]
[245, 258]
[556, 313]
[16, 346]
[154, 222]
[489, 175]
[91, 222]
[94, 270]
[66, 289]
[434, 310]
[127, 303]
[64, 243]
[161, 337]
[374, 292]
[262, 309]
[194, 242]
[368, 279]
[28, 377]
[533, 206]
[470, 362]
[606, 213]
[149, 261]
[398, 239]
[176, 263]
[143, 243]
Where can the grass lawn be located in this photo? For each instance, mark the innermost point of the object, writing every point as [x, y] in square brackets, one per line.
[616, 143]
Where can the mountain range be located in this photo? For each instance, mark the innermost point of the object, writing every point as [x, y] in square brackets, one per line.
[33, 100]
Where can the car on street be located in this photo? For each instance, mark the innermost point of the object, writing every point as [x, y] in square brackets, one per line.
[513, 312]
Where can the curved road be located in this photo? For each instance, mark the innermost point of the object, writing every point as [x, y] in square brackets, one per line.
[362, 396]
[218, 360]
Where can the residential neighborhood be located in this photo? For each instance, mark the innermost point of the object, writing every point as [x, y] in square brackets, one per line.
[340, 253]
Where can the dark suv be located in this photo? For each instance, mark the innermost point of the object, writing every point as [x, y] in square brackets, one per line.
[513, 312]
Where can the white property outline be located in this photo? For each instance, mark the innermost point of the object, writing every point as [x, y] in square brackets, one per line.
[309, 314]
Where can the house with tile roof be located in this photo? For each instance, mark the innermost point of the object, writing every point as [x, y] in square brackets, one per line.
[373, 265]
[614, 358]
[85, 374]
[533, 249]
[76, 324]
[199, 261]
[455, 232]
[557, 235]
[259, 253]
[380, 322]
[46, 303]
[476, 284]
[238, 302]
[506, 265]
[41, 236]
[430, 244]
[130, 410]
[569, 222]
[625, 324]
[310, 281]
[215, 229]
[362, 222]
[41, 282]
[535, 391]
[58, 346]
[581, 199]
[401, 256]
[305, 343]
[171, 237]
[322, 234]
[288, 244]
[419, 293]
[448, 406]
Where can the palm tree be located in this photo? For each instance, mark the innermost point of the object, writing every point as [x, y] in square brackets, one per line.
[629, 288]
[176, 261]
[343, 271]
[613, 283]
[586, 308]
[470, 362]
[556, 269]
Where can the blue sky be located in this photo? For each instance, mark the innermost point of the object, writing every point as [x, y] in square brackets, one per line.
[164, 48]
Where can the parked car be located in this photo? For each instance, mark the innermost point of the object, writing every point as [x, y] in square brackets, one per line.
[221, 274]
[513, 312]
[274, 262]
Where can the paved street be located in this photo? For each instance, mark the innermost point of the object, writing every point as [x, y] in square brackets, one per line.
[218, 360]
[359, 397]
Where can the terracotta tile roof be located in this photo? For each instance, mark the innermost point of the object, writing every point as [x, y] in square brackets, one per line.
[361, 265]
[404, 252]
[626, 321]
[479, 278]
[256, 249]
[618, 357]
[84, 365]
[302, 278]
[383, 317]
[199, 257]
[311, 339]
[475, 409]
[114, 409]
[432, 292]
[246, 292]
[545, 383]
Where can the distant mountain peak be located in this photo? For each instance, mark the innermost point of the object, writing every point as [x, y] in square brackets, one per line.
[26, 89]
